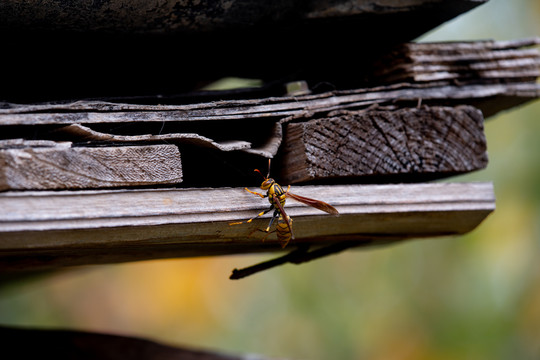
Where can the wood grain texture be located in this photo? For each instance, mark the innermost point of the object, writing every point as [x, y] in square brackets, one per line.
[51, 229]
[61, 166]
[490, 98]
[267, 148]
[429, 141]
[480, 61]
[80, 132]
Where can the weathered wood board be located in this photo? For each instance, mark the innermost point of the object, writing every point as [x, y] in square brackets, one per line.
[51, 229]
[376, 144]
[490, 98]
[59, 165]
[410, 142]
[479, 61]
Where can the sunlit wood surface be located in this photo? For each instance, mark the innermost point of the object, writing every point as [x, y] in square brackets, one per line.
[50, 229]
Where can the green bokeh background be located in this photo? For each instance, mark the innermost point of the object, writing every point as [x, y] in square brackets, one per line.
[470, 297]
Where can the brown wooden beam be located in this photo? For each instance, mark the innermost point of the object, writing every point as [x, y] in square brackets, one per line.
[426, 142]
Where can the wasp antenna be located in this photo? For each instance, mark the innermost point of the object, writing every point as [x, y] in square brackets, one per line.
[268, 175]
[257, 170]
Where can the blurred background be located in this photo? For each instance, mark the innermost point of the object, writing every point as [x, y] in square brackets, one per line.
[470, 297]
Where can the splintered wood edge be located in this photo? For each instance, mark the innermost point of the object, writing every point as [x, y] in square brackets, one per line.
[49, 229]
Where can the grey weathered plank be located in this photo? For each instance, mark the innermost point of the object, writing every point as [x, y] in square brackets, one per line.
[77, 132]
[80, 132]
[426, 141]
[487, 96]
[49, 229]
[480, 60]
[58, 165]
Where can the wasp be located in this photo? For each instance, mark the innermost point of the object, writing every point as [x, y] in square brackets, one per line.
[276, 196]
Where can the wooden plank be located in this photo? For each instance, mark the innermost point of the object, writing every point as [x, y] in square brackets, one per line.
[481, 61]
[404, 144]
[77, 132]
[80, 132]
[486, 96]
[51, 229]
[420, 62]
[424, 142]
[53, 165]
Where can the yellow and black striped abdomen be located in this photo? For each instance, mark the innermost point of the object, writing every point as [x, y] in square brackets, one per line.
[283, 232]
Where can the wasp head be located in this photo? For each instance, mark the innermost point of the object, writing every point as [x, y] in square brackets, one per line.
[267, 183]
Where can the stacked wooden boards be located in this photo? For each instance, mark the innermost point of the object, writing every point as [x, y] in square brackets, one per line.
[171, 46]
[419, 125]
[462, 62]
[411, 131]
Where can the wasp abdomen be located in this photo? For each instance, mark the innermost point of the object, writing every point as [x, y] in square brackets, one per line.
[284, 230]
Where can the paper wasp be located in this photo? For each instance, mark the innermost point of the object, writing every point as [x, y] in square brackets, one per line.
[277, 196]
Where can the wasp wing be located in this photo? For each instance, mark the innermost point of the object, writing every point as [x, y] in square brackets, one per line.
[317, 204]
[282, 211]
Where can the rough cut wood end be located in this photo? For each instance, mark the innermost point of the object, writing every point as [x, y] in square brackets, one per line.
[430, 141]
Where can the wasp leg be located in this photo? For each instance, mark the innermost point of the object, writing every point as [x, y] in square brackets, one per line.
[256, 193]
[275, 216]
[250, 220]
[267, 230]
